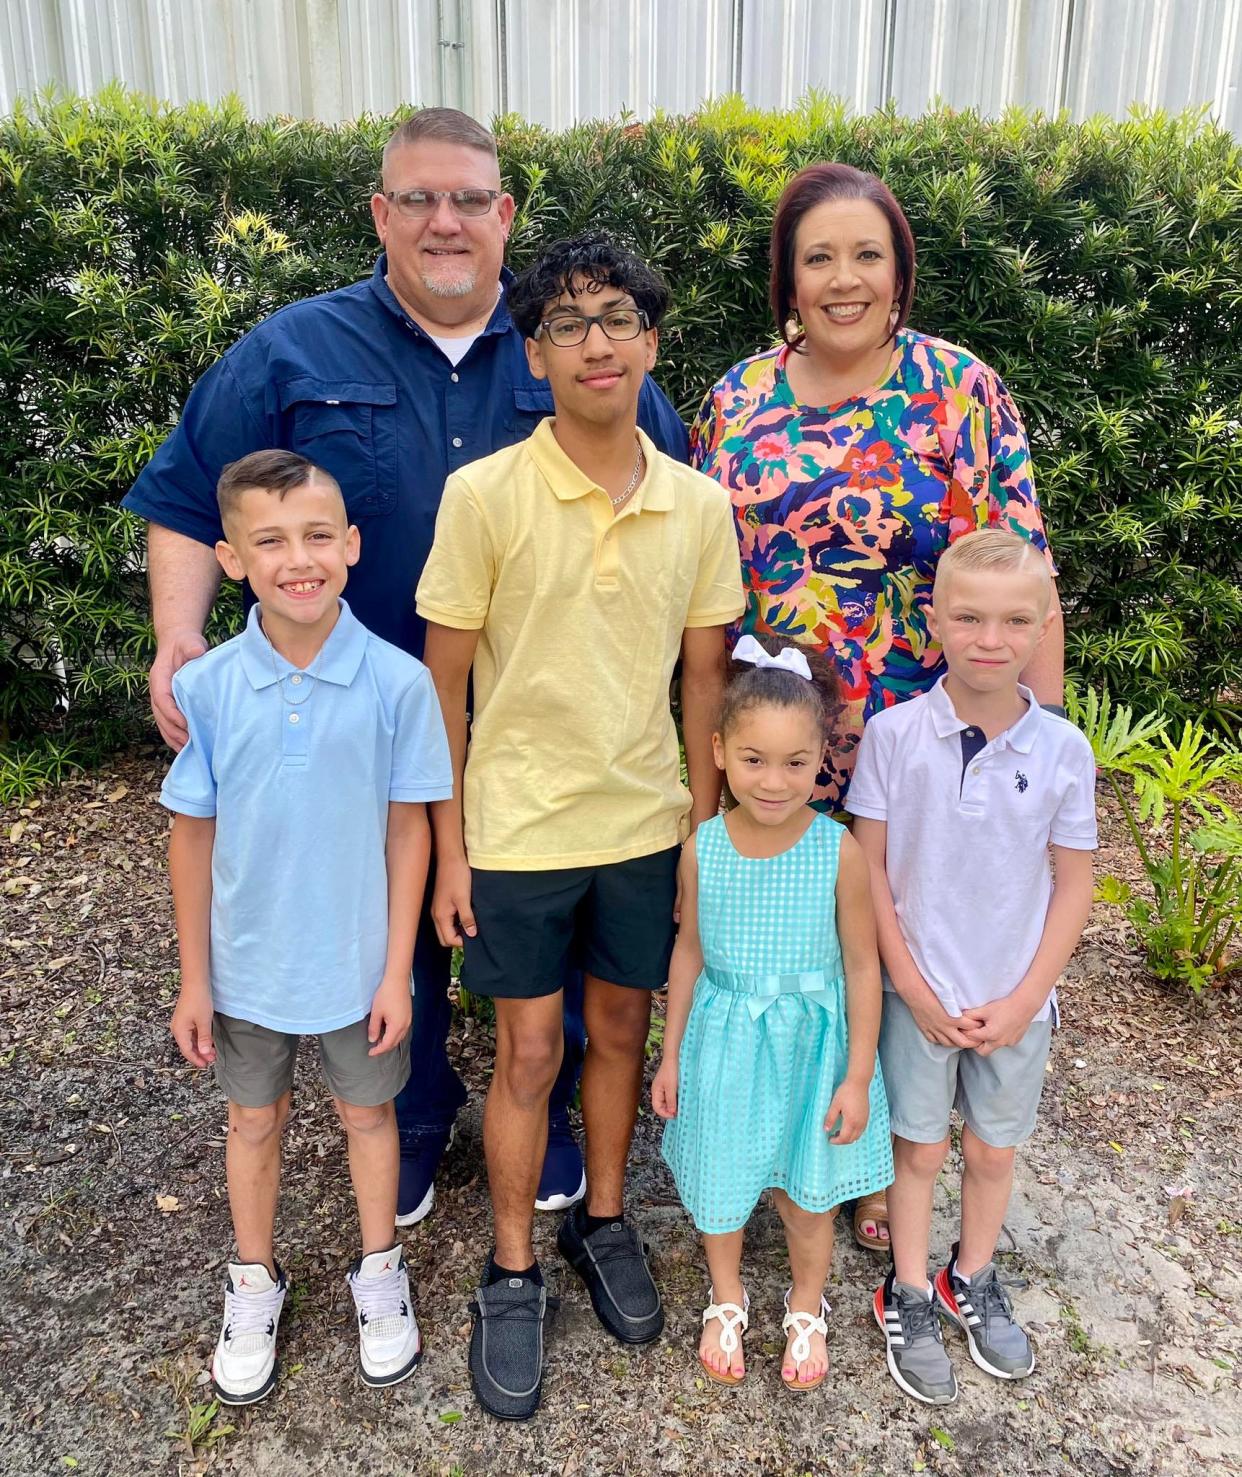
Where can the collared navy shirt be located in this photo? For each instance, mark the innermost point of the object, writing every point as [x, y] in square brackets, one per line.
[350, 381]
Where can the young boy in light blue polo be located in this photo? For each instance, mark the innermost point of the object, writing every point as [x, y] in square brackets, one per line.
[298, 858]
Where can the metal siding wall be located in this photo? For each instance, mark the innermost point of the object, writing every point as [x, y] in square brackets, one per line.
[557, 61]
[790, 46]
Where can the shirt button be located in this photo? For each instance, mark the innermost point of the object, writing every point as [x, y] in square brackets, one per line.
[455, 377]
[974, 769]
[294, 718]
[456, 440]
[296, 679]
[970, 733]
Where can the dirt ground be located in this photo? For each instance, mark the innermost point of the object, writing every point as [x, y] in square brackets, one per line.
[1125, 1222]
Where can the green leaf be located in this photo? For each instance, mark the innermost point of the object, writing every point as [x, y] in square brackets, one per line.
[941, 1438]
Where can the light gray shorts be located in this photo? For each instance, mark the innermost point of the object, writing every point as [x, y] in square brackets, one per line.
[254, 1064]
[998, 1094]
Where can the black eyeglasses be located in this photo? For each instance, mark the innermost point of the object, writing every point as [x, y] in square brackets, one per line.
[569, 329]
[420, 203]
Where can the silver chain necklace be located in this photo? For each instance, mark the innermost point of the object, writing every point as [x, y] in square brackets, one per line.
[633, 482]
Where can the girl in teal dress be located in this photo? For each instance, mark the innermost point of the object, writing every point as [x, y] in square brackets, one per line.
[769, 1077]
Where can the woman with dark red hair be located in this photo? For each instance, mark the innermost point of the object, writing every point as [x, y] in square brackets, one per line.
[854, 454]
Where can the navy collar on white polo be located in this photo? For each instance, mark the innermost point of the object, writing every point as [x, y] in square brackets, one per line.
[338, 660]
[1019, 736]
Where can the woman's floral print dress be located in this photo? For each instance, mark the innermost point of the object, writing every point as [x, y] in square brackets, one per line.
[842, 511]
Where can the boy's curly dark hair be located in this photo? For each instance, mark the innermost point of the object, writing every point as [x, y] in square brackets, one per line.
[749, 686]
[592, 256]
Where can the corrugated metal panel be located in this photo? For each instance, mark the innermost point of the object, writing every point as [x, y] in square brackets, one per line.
[557, 61]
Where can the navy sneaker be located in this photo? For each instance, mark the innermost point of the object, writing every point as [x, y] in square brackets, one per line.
[563, 1181]
[416, 1185]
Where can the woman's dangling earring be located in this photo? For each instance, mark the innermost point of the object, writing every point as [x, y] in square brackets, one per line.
[893, 316]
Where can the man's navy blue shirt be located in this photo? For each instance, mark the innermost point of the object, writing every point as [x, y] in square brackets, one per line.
[351, 382]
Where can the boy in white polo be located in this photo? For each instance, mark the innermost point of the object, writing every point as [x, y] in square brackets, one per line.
[972, 780]
[298, 858]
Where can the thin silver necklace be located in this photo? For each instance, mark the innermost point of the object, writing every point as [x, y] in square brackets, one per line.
[633, 482]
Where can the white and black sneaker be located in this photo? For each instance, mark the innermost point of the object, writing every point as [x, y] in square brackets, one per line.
[389, 1343]
[910, 1322]
[243, 1368]
[980, 1306]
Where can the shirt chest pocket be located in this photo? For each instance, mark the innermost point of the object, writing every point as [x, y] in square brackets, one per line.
[530, 406]
[348, 428]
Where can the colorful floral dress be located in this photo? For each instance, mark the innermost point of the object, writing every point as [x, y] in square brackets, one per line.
[842, 511]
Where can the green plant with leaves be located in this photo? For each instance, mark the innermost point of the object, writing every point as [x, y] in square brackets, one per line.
[1171, 787]
[1098, 266]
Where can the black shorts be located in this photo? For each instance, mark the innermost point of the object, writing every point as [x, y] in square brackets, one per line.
[535, 928]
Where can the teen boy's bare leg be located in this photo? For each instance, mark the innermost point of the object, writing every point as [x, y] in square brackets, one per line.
[529, 1042]
[252, 1168]
[617, 1022]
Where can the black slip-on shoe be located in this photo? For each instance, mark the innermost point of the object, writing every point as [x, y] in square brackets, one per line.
[506, 1346]
[613, 1263]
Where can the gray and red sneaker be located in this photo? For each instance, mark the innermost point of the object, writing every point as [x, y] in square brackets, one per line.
[910, 1322]
[981, 1308]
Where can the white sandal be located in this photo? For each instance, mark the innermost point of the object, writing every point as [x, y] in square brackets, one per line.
[806, 1324]
[734, 1322]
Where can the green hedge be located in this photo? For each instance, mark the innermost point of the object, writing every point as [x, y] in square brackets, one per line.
[1098, 266]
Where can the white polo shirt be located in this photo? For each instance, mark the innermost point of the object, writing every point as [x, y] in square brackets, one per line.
[967, 852]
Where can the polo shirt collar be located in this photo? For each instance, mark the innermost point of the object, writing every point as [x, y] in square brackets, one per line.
[1020, 735]
[499, 322]
[338, 660]
[567, 480]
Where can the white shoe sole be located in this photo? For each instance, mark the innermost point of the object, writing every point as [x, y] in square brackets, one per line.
[382, 1381]
[420, 1212]
[563, 1202]
[243, 1397]
[900, 1381]
[976, 1358]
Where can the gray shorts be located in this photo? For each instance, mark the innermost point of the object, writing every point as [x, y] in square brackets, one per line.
[998, 1094]
[254, 1064]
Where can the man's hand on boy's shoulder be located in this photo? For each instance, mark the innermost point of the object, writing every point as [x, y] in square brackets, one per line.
[391, 1013]
[191, 1025]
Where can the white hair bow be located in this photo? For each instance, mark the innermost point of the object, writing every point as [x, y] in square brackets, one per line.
[789, 658]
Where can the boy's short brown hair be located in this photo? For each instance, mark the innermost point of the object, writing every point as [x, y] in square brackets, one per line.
[272, 471]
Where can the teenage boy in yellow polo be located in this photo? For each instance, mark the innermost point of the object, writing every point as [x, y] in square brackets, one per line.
[569, 574]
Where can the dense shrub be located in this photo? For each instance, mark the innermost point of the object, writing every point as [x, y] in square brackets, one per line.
[1097, 265]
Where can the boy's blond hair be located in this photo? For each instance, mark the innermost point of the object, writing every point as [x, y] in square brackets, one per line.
[991, 551]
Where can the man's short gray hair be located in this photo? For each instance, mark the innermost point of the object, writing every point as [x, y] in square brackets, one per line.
[440, 125]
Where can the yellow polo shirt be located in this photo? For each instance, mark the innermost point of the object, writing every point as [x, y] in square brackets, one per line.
[573, 755]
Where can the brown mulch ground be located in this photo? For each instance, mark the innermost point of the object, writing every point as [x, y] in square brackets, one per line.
[1126, 1223]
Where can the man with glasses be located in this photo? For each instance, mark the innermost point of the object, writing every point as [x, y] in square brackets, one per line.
[569, 575]
[390, 385]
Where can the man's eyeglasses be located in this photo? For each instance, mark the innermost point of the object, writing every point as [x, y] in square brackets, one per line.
[421, 203]
[568, 329]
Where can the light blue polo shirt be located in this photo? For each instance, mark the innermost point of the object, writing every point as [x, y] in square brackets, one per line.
[298, 771]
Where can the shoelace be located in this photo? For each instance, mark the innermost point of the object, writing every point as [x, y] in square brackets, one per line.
[250, 1318]
[624, 1244]
[382, 1303]
[919, 1318]
[526, 1310]
[991, 1293]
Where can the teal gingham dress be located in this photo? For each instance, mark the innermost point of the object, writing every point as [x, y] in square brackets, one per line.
[766, 1042]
